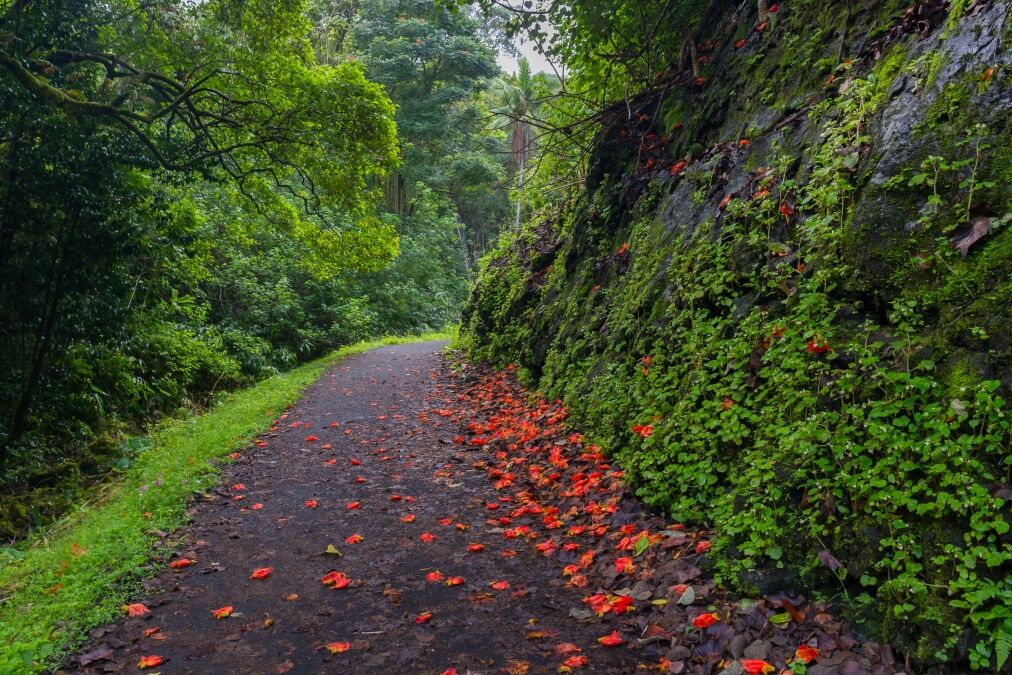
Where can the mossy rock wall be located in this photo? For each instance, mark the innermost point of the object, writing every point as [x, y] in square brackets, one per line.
[812, 366]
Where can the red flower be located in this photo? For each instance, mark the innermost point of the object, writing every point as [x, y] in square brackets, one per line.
[623, 249]
[136, 609]
[724, 202]
[703, 546]
[475, 548]
[311, 438]
[756, 666]
[351, 506]
[575, 661]
[338, 647]
[644, 430]
[427, 538]
[818, 347]
[786, 210]
[424, 617]
[761, 27]
[181, 563]
[434, 577]
[612, 639]
[150, 662]
[335, 580]
[222, 612]
[699, 81]
[705, 620]
[678, 167]
[354, 539]
[806, 654]
[739, 44]
[261, 573]
[624, 566]
[744, 143]
[773, 9]
[311, 503]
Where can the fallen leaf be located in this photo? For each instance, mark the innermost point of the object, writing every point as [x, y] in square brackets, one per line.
[222, 612]
[978, 229]
[338, 647]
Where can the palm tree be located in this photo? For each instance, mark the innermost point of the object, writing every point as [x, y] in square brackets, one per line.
[517, 103]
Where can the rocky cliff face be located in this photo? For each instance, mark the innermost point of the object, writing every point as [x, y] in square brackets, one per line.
[784, 303]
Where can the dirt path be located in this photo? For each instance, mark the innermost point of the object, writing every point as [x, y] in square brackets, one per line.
[376, 399]
[491, 539]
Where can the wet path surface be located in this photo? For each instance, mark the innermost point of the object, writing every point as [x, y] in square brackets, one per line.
[370, 450]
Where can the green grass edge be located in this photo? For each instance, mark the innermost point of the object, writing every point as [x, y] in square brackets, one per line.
[77, 573]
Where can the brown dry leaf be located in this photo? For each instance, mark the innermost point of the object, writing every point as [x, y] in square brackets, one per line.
[967, 238]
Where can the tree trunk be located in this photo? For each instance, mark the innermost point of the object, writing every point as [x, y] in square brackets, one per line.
[697, 69]
[764, 12]
[520, 187]
[43, 344]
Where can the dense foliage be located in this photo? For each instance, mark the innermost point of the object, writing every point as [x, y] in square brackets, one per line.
[785, 311]
[196, 196]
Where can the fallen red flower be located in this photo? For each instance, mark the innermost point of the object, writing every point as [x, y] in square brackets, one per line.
[150, 661]
[705, 620]
[806, 654]
[612, 639]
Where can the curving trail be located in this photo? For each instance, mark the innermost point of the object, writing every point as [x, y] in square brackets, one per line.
[469, 532]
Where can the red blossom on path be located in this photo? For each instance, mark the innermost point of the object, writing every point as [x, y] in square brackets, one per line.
[150, 661]
[703, 546]
[500, 585]
[454, 581]
[261, 573]
[806, 654]
[136, 609]
[434, 577]
[336, 580]
[222, 612]
[181, 563]
[354, 539]
[756, 666]
[311, 438]
[575, 661]
[423, 617]
[612, 639]
[351, 506]
[705, 620]
[475, 548]
[311, 503]
[426, 537]
[338, 647]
